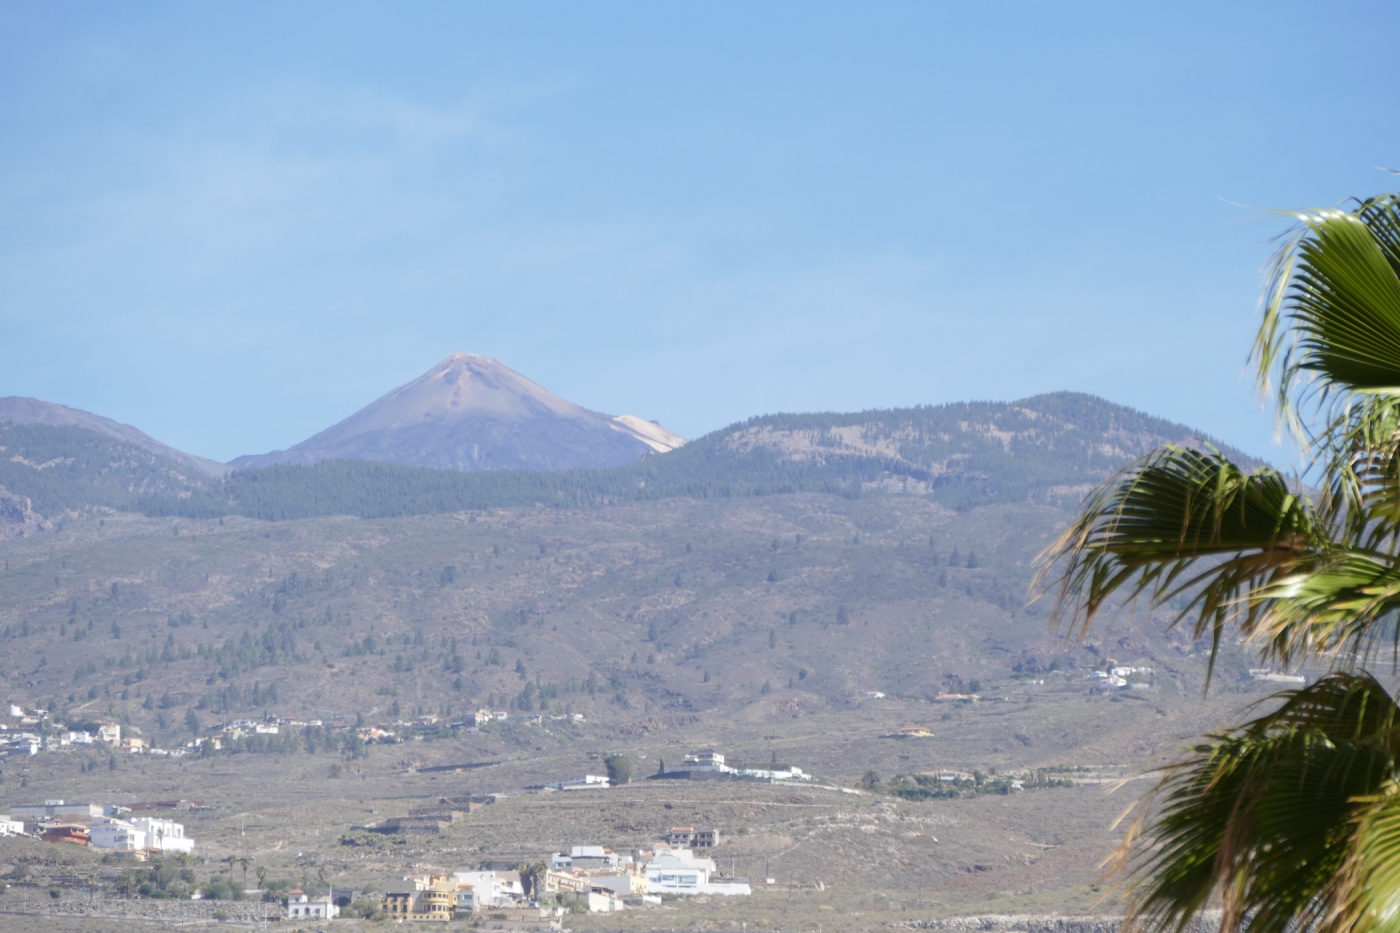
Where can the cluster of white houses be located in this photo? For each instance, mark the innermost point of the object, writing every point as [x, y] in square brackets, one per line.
[31, 731]
[589, 876]
[98, 825]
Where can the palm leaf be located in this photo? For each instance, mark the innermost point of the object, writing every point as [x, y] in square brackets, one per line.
[1293, 819]
[1331, 334]
[1367, 892]
[1263, 816]
[1184, 523]
[1334, 303]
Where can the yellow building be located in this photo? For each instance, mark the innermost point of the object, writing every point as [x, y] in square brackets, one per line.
[430, 898]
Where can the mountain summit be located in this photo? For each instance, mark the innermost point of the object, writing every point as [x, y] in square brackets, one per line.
[475, 413]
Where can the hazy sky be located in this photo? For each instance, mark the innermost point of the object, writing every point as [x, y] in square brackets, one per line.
[235, 224]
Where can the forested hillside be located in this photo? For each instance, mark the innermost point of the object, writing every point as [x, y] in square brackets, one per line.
[66, 468]
[963, 455]
[647, 609]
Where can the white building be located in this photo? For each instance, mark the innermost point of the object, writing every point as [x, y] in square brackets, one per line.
[22, 743]
[75, 738]
[300, 906]
[486, 889]
[678, 871]
[467, 902]
[111, 833]
[9, 827]
[587, 782]
[165, 835]
[708, 761]
[593, 857]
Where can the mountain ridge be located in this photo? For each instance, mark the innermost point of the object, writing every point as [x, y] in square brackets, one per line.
[24, 410]
[1049, 448]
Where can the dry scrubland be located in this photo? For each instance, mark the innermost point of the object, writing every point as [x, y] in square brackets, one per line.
[881, 860]
[680, 612]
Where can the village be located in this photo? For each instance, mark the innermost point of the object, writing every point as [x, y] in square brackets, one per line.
[536, 889]
[586, 879]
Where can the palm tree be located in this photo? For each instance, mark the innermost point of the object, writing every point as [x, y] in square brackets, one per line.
[1294, 816]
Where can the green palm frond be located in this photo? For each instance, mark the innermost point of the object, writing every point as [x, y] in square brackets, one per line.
[1343, 606]
[1264, 816]
[1331, 335]
[1367, 892]
[1185, 523]
[1293, 819]
[1334, 302]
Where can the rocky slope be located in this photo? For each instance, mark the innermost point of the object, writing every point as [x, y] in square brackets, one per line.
[475, 413]
[17, 516]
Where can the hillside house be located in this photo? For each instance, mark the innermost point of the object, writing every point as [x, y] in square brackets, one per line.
[30, 717]
[629, 883]
[397, 901]
[707, 759]
[301, 906]
[678, 871]
[874, 695]
[484, 885]
[428, 899]
[708, 764]
[467, 901]
[491, 888]
[558, 882]
[164, 835]
[65, 832]
[115, 834]
[9, 827]
[693, 837]
[949, 776]
[110, 733]
[21, 743]
[510, 884]
[583, 858]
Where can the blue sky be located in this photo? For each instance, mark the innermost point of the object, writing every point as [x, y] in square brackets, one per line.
[235, 224]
